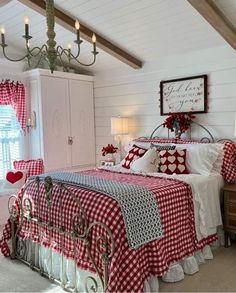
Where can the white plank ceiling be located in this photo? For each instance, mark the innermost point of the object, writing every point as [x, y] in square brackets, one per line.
[147, 29]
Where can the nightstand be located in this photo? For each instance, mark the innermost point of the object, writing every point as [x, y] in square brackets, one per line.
[229, 191]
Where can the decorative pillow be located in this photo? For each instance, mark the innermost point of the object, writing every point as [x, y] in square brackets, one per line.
[148, 163]
[228, 170]
[135, 153]
[201, 157]
[173, 161]
[33, 167]
[163, 147]
[15, 179]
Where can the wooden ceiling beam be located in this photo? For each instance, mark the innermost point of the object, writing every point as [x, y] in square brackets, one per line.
[86, 33]
[212, 14]
[4, 2]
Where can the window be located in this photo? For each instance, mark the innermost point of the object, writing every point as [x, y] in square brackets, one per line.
[11, 139]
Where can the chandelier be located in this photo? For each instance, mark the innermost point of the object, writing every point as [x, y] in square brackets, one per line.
[50, 51]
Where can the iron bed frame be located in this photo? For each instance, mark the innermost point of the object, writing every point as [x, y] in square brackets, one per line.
[81, 229]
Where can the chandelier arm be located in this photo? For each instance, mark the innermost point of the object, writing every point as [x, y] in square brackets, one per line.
[62, 62]
[13, 60]
[78, 52]
[40, 50]
[60, 51]
[70, 56]
[81, 63]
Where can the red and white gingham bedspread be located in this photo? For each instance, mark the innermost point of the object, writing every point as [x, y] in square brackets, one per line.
[129, 268]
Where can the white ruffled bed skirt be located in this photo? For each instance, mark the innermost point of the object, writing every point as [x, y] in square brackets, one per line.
[63, 269]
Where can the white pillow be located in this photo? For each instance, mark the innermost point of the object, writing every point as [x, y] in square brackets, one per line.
[148, 163]
[217, 166]
[200, 158]
[15, 179]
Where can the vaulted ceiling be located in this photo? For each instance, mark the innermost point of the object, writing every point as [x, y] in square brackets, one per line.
[148, 30]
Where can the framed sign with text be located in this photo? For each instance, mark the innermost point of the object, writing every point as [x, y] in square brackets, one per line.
[184, 95]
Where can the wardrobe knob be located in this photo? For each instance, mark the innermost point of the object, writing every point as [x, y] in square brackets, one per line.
[70, 140]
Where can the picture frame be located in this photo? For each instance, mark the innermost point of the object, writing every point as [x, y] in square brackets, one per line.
[184, 95]
[107, 163]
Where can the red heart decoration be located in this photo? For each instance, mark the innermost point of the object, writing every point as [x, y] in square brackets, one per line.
[14, 177]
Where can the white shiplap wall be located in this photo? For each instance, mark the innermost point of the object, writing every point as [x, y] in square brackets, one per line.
[135, 94]
[10, 70]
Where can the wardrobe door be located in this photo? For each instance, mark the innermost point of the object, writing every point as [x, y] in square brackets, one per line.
[55, 116]
[82, 123]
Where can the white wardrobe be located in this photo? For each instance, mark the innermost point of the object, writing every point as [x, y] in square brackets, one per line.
[64, 131]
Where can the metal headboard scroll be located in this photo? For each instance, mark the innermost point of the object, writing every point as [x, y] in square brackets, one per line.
[178, 134]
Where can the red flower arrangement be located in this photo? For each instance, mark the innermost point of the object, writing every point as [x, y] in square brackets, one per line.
[109, 149]
[178, 122]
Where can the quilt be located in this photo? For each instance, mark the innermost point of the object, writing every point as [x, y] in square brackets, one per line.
[129, 268]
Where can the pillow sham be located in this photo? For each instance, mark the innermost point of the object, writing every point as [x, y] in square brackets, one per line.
[15, 179]
[156, 140]
[148, 163]
[163, 147]
[135, 153]
[200, 157]
[173, 161]
[228, 170]
[33, 167]
[148, 142]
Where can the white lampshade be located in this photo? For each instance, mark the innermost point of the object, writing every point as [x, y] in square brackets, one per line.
[119, 125]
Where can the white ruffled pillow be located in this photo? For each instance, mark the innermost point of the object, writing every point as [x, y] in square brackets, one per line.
[201, 158]
[149, 163]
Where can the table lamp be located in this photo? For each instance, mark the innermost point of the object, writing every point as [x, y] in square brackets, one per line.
[119, 127]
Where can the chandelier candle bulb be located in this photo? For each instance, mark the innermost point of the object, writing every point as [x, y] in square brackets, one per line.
[26, 21]
[3, 35]
[77, 25]
[94, 43]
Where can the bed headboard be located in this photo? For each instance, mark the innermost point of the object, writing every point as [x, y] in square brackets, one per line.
[206, 138]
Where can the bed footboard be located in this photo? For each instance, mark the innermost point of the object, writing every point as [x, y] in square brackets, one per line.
[25, 211]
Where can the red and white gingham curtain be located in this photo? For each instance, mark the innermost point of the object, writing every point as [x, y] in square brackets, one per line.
[13, 93]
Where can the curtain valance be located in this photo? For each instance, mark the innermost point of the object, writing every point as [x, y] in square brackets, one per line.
[13, 93]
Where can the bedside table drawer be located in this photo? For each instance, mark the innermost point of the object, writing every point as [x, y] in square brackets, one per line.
[230, 223]
[230, 209]
[230, 197]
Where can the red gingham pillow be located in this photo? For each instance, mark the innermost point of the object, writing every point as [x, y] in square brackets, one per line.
[135, 153]
[33, 167]
[228, 170]
[173, 161]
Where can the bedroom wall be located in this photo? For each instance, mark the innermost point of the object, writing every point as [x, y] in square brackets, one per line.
[10, 70]
[135, 94]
